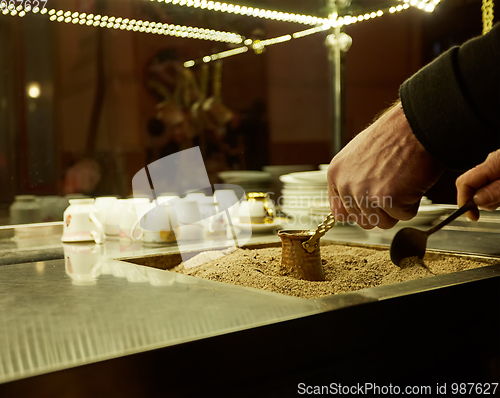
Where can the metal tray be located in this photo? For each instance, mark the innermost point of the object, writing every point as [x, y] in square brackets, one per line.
[168, 261]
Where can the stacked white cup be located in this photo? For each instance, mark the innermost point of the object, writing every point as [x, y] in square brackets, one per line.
[191, 225]
[104, 204]
[130, 211]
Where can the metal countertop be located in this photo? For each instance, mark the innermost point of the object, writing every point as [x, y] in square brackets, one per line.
[52, 321]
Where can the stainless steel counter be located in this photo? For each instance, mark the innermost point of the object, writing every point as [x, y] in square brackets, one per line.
[51, 319]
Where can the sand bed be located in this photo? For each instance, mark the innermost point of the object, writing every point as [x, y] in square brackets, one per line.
[346, 269]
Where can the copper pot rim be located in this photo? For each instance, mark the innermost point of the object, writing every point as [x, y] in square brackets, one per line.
[293, 233]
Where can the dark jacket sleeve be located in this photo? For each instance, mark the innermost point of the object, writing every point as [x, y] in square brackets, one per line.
[453, 103]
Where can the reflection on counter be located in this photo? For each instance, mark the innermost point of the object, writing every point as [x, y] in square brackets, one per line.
[82, 262]
[86, 262]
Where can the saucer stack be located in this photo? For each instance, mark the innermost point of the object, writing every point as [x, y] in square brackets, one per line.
[249, 180]
[305, 194]
[277, 171]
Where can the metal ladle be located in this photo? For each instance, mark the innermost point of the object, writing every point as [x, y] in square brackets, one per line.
[412, 242]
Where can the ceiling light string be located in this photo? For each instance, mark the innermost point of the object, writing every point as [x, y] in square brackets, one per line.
[259, 45]
[425, 5]
[216, 6]
[247, 11]
[111, 22]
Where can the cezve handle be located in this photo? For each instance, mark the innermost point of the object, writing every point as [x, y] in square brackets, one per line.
[312, 243]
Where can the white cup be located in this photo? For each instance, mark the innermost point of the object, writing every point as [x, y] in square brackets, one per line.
[197, 196]
[130, 211]
[81, 222]
[191, 225]
[112, 226]
[104, 205]
[227, 199]
[157, 226]
[252, 212]
[216, 222]
[82, 263]
[207, 207]
[166, 198]
[219, 226]
[25, 209]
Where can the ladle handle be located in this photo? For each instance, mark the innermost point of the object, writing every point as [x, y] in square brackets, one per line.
[470, 205]
[311, 244]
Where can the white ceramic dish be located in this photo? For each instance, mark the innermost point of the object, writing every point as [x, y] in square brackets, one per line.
[248, 176]
[285, 169]
[304, 192]
[317, 176]
[291, 181]
[261, 228]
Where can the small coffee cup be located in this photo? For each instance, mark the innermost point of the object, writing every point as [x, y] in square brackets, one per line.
[257, 209]
[104, 204]
[227, 200]
[131, 211]
[81, 222]
[252, 212]
[191, 225]
[157, 226]
[112, 225]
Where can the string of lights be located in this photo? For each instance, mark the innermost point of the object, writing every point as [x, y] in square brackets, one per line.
[259, 45]
[425, 5]
[248, 11]
[127, 24]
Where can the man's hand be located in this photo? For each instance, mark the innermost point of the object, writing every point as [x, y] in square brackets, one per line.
[381, 175]
[483, 183]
